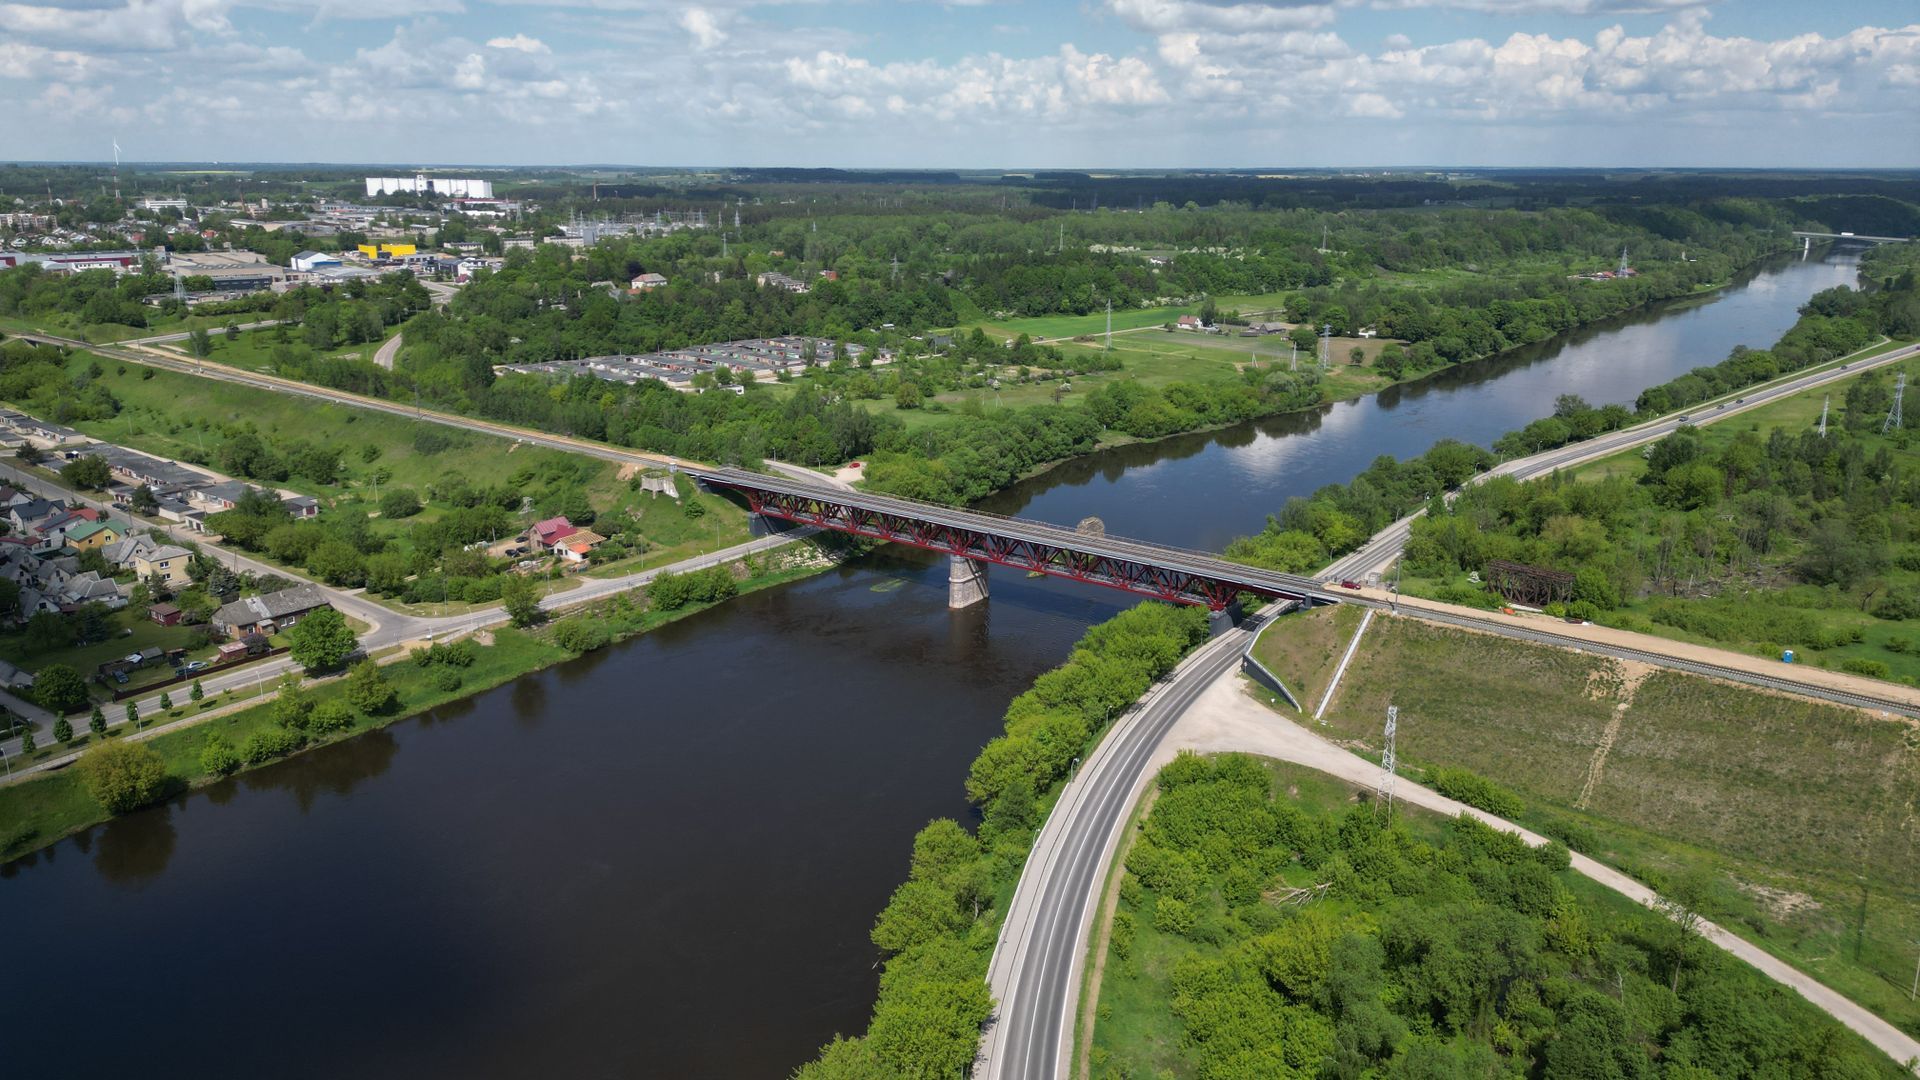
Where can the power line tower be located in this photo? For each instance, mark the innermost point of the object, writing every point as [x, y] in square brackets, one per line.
[1383, 795]
[116, 171]
[1826, 401]
[1893, 421]
[1624, 268]
[1326, 346]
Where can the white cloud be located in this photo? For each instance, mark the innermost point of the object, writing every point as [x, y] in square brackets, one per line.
[520, 43]
[700, 23]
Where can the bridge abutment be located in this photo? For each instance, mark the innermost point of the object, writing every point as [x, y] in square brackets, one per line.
[966, 581]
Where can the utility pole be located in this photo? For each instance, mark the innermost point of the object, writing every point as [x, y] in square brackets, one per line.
[1109, 324]
[1388, 763]
[1893, 420]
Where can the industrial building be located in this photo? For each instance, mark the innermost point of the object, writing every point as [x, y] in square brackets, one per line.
[429, 185]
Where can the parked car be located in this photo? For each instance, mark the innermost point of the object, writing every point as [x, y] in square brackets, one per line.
[1349, 584]
[195, 665]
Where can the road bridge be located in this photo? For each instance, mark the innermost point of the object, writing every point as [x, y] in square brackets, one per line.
[974, 539]
[1852, 236]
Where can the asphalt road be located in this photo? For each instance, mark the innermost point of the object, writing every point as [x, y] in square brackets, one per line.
[1035, 972]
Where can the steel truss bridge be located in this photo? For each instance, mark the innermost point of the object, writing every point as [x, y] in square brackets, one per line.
[1163, 573]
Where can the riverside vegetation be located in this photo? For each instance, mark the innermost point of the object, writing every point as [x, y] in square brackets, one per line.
[938, 930]
[40, 810]
[1273, 926]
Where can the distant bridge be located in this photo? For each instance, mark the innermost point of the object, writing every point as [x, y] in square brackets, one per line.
[1852, 236]
[974, 539]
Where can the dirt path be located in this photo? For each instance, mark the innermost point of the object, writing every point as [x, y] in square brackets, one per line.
[1225, 718]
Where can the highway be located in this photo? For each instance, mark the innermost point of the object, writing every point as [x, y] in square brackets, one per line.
[1035, 973]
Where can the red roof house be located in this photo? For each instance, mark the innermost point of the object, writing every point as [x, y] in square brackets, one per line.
[551, 531]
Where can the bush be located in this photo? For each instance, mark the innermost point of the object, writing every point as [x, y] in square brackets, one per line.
[218, 757]
[122, 775]
[581, 634]
[671, 592]
[269, 743]
[1475, 791]
[1173, 916]
[447, 680]
[60, 688]
[1873, 669]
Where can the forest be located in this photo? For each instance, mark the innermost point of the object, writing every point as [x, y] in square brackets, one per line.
[1308, 532]
[1299, 933]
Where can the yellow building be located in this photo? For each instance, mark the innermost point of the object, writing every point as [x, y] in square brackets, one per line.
[92, 536]
[387, 251]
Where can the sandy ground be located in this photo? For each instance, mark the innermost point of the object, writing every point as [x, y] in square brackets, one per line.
[1226, 718]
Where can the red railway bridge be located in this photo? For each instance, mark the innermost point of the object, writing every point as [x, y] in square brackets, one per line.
[975, 539]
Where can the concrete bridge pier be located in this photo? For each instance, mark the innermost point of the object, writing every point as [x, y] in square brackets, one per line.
[966, 581]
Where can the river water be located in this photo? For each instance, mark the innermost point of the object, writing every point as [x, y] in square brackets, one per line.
[662, 859]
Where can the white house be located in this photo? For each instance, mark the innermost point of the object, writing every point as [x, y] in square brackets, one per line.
[310, 261]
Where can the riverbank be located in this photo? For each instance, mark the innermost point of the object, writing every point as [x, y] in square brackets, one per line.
[53, 805]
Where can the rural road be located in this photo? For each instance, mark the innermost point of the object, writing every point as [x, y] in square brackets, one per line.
[384, 356]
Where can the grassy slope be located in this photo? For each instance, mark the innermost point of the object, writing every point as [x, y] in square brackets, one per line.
[1304, 648]
[253, 349]
[1807, 808]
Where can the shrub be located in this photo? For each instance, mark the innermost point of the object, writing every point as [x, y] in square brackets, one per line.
[1173, 916]
[581, 634]
[330, 715]
[1873, 669]
[1475, 791]
[269, 743]
[447, 680]
[123, 776]
[218, 757]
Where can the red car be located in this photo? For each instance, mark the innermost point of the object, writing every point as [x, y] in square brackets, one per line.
[1349, 584]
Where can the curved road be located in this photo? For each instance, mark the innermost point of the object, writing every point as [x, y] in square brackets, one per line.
[1036, 966]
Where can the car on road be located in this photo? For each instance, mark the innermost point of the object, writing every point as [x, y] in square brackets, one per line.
[1740, 401]
[1349, 584]
[1683, 419]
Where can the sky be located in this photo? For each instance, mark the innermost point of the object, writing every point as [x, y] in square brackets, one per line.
[966, 83]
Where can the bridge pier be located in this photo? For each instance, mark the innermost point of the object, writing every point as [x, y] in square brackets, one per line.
[966, 581]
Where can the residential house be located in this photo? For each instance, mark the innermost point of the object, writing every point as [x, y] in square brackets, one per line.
[270, 613]
[27, 517]
[648, 282]
[137, 468]
[51, 534]
[92, 535]
[1189, 322]
[146, 557]
[773, 279]
[11, 497]
[164, 614]
[576, 546]
[551, 531]
[301, 506]
[90, 588]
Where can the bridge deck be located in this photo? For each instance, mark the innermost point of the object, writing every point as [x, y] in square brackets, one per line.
[1160, 556]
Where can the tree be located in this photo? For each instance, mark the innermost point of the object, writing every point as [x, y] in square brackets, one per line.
[122, 775]
[907, 396]
[1357, 355]
[1681, 902]
[133, 715]
[27, 745]
[521, 603]
[399, 503]
[368, 689]
[199, 342]
[60, 688]
[62, 731]
[232, 331]
[197, 692]
[97, 723]
[9, 597]
[321, 640]
[88, 473]
[144, 500]
[166, 702]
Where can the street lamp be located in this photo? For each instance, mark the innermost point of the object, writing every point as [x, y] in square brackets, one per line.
[9, 765]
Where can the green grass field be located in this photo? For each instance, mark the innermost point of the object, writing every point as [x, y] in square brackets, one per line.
[1303, 649]
[253, 349]
[1806, 809]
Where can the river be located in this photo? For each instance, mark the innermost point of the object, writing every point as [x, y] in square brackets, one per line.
[662, 859]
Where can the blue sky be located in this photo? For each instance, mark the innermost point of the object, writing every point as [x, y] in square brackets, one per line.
[984, 83]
